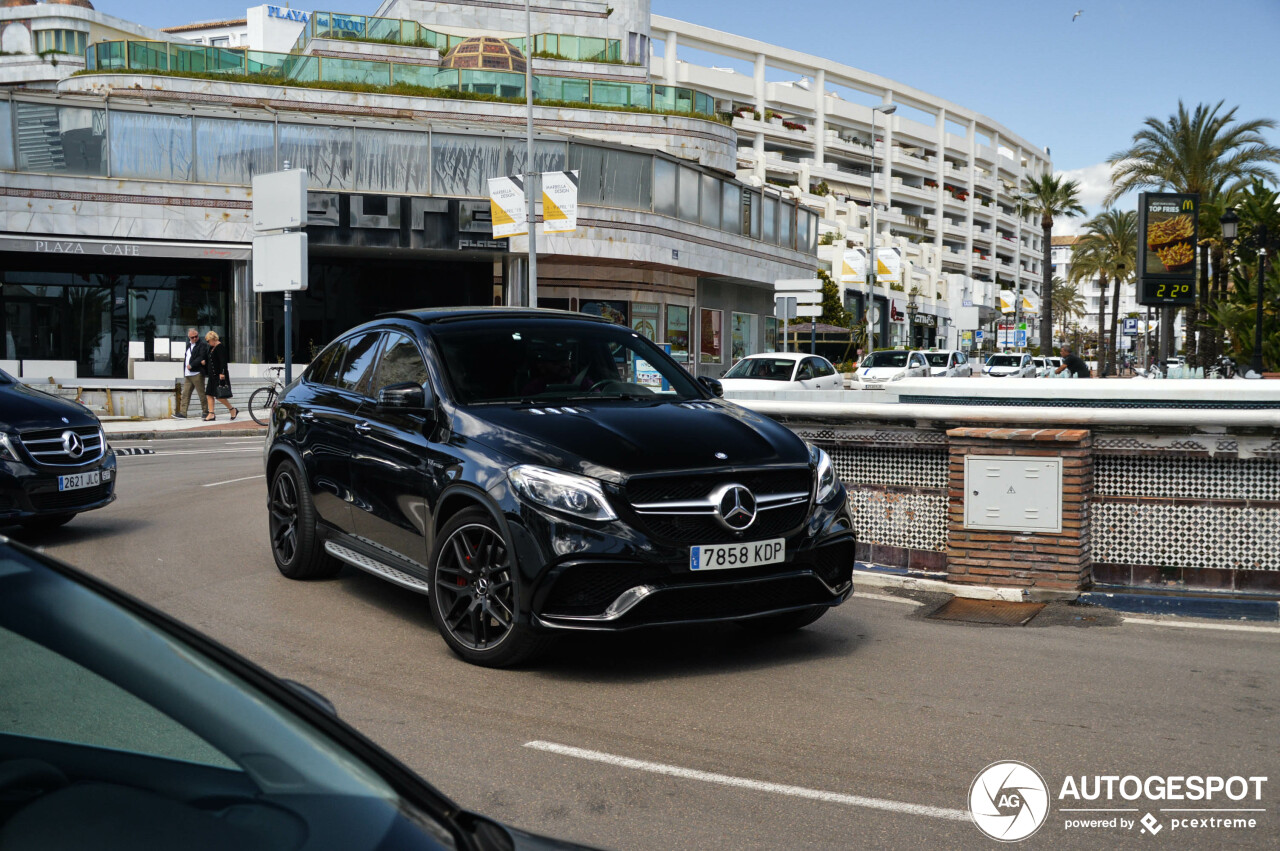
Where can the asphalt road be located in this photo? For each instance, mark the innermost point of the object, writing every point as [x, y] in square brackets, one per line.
[863, 730]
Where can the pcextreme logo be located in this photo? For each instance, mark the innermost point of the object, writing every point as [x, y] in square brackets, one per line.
[1009, 801]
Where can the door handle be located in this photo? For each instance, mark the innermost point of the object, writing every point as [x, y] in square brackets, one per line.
[364, 428]
[306, 415]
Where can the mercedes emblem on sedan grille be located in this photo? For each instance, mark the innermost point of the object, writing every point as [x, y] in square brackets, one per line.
[735, 507]
[72, 444]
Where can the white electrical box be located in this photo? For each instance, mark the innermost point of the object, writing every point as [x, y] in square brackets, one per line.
[280, 200]
[1013, 494]
[280, 262]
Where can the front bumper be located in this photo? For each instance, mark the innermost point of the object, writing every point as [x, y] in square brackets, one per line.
[616, 578]
[28, 492]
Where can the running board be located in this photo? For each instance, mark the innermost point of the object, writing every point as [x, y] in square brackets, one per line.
[377, 568]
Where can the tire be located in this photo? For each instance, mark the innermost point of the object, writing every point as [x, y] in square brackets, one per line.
[784, 622]
[261, 405]
[474, 595]
[47, 523]
[295, 546]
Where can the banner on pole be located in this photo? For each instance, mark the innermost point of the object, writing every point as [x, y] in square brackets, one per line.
[853, 267]
[559, 201]
[507, 207]
[888, 265]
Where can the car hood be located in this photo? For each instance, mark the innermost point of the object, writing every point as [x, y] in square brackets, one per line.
[1003, 370]
[880, 373]
[23, 408]
[612, 440]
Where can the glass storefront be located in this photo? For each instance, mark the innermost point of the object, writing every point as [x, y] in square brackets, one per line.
[100, 312]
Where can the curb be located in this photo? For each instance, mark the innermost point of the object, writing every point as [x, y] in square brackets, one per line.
[1218, 608]
[186, 433]
[888, 577]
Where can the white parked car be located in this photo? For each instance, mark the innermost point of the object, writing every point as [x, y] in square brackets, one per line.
[949, 364]
[1046, 367]
[1010, 364]
[879, 368]
[782, 371]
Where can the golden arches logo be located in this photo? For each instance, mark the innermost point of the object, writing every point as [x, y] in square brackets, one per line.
[1188, 204]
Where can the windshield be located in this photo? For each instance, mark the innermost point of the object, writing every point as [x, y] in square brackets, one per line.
[768, 369]
[549, 360]
[898, 359]
[936, 358]
[1004, 360]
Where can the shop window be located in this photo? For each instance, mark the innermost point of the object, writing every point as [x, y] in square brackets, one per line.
[64, 139]
[731, 207]
[664, 186]
[462, 165]
[150, 146]
[710, 337]
[231, 151]
[392, 161]
[327, 153]
[688, 194]
[743, 336]
[711, 201]
[770, 334]
[645, 319]
[678, 331]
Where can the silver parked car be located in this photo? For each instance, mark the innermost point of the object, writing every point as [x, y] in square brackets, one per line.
[1010, 365]
[949, 364]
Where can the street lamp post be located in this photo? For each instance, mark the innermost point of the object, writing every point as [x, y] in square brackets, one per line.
[872, 263]
[912, 308]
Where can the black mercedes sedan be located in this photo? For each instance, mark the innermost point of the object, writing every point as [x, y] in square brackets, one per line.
[535, 472]
[54, 458]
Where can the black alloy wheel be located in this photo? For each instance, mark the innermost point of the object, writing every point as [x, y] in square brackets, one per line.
[473, 593]
[295, 546]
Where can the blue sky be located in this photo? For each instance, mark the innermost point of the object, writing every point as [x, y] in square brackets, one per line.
[1079, 87]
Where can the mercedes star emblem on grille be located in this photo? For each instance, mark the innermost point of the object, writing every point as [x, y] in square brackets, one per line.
[735, 507]
[72, 444]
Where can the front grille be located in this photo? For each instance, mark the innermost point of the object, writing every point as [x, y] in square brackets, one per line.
[833, 563]
[729, 600]
[643, 489]
[700, 529]
[55, 500]
[47, 446]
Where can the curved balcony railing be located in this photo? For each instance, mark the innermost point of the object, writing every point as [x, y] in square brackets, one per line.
[334, 25]
[161, 56]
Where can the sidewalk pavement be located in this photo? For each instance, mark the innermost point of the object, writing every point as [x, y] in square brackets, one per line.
[138, 429]
[1153, 601]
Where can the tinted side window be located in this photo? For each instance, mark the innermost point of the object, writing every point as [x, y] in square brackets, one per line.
[322, 365]
[332, 366]
[824, 367]
[401, 361]
[357, 366]
[807, 369]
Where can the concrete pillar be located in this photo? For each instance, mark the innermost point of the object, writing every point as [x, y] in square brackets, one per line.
[762, 107]
[1061, 561]
[820, 117]
[973, 199]
[886, 166]
[669, 56]
[244, 315]
[515, 280]
[940, 127]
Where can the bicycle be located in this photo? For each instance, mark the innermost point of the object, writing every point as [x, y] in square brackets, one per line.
[263, 400]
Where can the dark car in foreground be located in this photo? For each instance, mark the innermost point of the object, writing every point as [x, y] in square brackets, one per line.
[54, 458]
[537, 472]
[122, 728]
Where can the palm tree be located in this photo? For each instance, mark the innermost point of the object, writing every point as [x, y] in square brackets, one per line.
[1049, 197]
[1201, 152]
[1068, 303]
[1109, 251]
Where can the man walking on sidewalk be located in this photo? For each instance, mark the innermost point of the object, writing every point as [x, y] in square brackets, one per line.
[193, 374]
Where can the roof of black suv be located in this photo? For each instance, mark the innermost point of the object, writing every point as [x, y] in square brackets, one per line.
[430, 315]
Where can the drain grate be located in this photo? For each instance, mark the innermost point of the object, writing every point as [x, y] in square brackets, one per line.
[995, 612]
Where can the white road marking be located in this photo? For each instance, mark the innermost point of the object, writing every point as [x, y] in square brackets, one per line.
[754, 785]
[1224, 627]
[233, 481]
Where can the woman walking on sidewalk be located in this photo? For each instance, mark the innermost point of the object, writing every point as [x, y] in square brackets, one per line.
[217, 377]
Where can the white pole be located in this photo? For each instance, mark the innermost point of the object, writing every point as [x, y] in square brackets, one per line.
[530, 178]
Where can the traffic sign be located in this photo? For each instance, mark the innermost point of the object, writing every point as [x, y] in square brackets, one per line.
[793, 284]
[784, 308]
[810, 297]
[809, 310]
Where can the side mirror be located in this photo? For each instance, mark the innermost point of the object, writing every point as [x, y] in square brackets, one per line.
[713, 385]
[407, 397]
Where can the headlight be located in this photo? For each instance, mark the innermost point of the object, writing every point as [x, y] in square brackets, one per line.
[576, 495]
[825, 473]
[899, 375]
[6, 449]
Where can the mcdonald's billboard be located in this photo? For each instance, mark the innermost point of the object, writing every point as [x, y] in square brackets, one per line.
[1169, 227]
